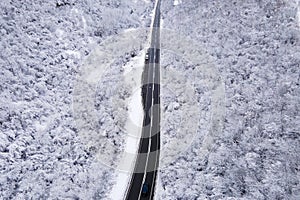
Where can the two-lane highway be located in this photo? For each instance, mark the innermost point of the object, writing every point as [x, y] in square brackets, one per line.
[145, 172]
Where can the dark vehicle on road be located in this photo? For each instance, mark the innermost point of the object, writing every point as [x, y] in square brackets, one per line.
[145, 190]
[147, 56]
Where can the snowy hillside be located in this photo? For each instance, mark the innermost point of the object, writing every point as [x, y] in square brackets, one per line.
[43, 47]
[255, 47]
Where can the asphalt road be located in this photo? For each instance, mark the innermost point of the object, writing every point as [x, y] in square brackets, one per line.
[148, 158]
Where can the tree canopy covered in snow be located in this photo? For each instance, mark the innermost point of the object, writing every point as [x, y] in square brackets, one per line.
[42, 48]
[238, 143]
[255, 45]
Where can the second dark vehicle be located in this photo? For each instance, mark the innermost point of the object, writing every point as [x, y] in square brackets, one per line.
[145, 190]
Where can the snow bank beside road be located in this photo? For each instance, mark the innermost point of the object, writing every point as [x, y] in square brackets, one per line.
[132, 74]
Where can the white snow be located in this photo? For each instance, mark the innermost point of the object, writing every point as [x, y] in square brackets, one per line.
[119, 189]
[84, 23]
[59, 33]
[73, 53]
[146, 1]
[298, 14]
[131, 145]
[135, 108]
[129, 30]
[176, 2]
[41, 125]
[132, 73]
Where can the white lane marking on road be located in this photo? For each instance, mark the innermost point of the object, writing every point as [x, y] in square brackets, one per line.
[149, 145]
[145, 172]
[151, 125]
[156, 157]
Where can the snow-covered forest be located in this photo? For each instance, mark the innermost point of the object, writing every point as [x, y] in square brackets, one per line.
[255, 46]
[43, 46]
[230, 97]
